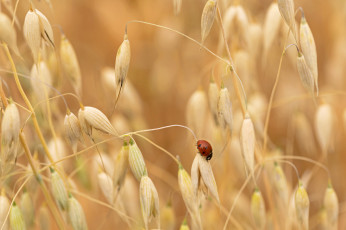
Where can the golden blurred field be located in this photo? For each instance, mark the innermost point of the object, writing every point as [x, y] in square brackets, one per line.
[165, 70]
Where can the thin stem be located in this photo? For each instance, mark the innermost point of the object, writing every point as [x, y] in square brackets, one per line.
[159, 147]
[14, 11]
[44, 189]
[293, 166]
[235, 76]
[163, 127]
[180, 33]
[265, 132]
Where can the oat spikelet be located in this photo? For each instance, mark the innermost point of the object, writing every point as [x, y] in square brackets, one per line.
[8, 33]
[331, 206]
[248, 141]
[286, 8]
[73, 130]
[76, 214]
[136, 161]
[302, 204]
[307, 43]
[16, 218]
[106, 185]
[4, 207]
[271, 28]
[305, 74]
[258, 209]
[149, 199]
[91, 118]
[28, 210]
[10, 128]
[40, 78]
[208, 16]
[196, 111]
[46, 28]
[324, 122]
[280, 183]
[59, 190]
[122, 63]
[70, 64]
[120, 166]
[189, 196]
[32, 33]
[224, 107]
[201, 170]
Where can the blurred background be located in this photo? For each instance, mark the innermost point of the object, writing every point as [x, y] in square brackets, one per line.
[166, 69]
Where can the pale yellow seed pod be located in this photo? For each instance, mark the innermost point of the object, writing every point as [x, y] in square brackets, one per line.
[207, 19]
[204, 172]
[196, 111]
[92, 118]
[44, 218]
[28, 210]
[168, 217]
[10, 125]
[302, 204]
[120, 166]
[70, 65]
[8, 33]
[73, 130]
[76, 214]
[247, 143]
[324, 122]
[224, 107]
[136, 161]
[40, 81]
[271, 28]
[286, 8]
[59, 190]
[280, 184]
[4, 208]
[106, 184]
[46, 28]
[16, 218]
[177, 6]
[213, 97]
[57, 149]
[149, 200]
[307, 43]
[32, 33]
[258, 209]
[331, 205]
[122, 63]
[305, 74]
[189, 196]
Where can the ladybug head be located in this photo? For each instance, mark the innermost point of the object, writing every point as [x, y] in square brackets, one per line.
[209, 156]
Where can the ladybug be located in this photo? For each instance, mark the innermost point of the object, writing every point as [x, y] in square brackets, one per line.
[205, 149]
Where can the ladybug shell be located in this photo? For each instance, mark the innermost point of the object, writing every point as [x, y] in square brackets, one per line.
[205, 149]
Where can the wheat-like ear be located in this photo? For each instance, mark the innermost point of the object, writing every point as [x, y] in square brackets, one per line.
[28, 210]
[286, 8]
[70, 65]
[32, 33]
[308, 46]
[76, 214]
[247, 142]
[305, 74]
[207, 19]
[331, 205]
[73, 130]
[59, 190]
[324, 126]
[258, 209]
[16, 218]
[136, 161]
[224, 107]
[106, 184]
[302, 204]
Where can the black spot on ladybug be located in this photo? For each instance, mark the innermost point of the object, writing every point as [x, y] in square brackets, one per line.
[209, 156]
